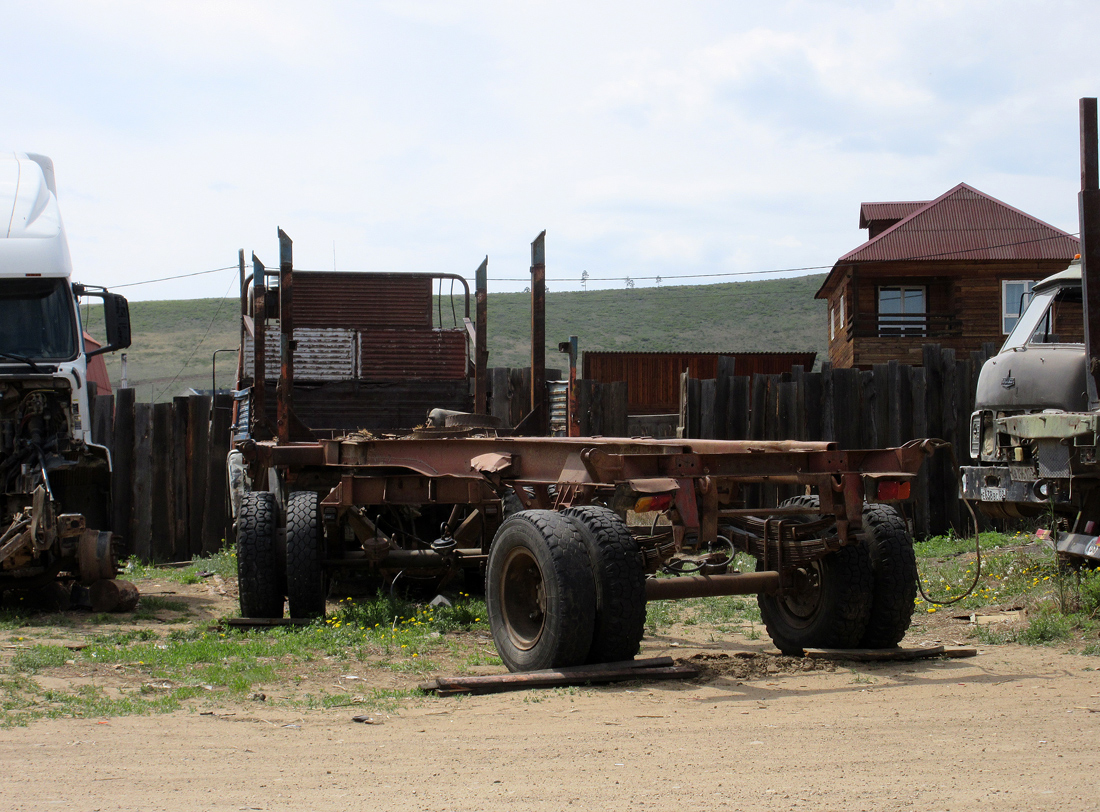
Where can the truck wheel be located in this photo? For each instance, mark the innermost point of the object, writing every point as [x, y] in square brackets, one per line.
[830, 603]
[895, 567]
[540, 592]
[306, 585]
[620, 583]
[258, 569]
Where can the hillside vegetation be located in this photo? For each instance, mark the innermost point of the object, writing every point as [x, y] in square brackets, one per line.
[173, 341]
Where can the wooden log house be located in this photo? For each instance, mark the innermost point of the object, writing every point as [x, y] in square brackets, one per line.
[956, 271]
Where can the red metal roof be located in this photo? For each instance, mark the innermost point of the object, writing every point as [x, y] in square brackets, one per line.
[895, 210]
[964, 223]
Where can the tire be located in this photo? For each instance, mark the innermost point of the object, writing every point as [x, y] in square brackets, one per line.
[540, 593]
[834, 605]
[619, 574]
[895, 572]
[258, 567]
[306, 585]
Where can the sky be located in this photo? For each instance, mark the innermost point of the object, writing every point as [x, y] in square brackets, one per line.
[680, 140]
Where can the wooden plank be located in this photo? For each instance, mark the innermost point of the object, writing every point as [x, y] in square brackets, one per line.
[502, 397]
[938, 518]
[694, 407]
[828, 421]
[846, 407]
[496, 683]
[122, 459]
[919, 428]
[214, 518]
[142, 521]
[636, 664]
[179, 512]
[721, 408]
[874, 654]
[590, 403]
[867, 423]
[726, 366]
[894, 401]
[739, 407]
[161, 546]
[708, 394]
[881, 405]
[615, 423]
[103, 415]
[813, 393]
[685, 395]
[198, 451]
[786, 426]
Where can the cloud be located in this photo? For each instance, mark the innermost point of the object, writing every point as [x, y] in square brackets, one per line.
[647, 138]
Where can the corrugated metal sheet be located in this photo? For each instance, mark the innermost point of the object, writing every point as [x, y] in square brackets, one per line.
[895, 210]
[964, 223]
[362, 301]
[324, 353]
[399, 355]
[653, 378]
[559, 407]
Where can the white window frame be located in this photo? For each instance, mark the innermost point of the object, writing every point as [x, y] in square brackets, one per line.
[832, 322]
[895, 323]
[1005, 315]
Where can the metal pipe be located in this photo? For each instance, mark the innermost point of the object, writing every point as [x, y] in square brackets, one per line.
[709, 586]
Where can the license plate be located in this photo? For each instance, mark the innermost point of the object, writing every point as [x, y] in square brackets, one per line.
[993, 494]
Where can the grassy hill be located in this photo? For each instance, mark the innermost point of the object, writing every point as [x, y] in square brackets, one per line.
[174, 340]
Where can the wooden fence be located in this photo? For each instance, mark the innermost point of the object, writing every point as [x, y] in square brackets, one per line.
[882, 407]
[169, 480]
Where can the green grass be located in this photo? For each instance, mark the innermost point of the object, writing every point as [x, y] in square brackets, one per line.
[1061, 605]
[194, 662]
[769, 315]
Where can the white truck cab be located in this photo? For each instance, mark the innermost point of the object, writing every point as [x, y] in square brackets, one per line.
[54, 484]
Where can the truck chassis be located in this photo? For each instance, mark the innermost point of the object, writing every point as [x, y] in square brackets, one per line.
[545, 519]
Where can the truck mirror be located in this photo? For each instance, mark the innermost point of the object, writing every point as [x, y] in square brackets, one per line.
[116, 315]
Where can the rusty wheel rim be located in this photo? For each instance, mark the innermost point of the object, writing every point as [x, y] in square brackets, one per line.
[804, 600]
[522, 598]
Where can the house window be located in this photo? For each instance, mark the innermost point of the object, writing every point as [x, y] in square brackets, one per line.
[902, 311]
[1015, 294]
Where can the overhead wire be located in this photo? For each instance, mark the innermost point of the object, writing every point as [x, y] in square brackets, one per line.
[209, 327]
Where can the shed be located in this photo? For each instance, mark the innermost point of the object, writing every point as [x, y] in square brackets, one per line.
[653, 378]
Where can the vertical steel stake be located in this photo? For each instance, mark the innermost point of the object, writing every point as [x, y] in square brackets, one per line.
[1089, 210]
[539, 405]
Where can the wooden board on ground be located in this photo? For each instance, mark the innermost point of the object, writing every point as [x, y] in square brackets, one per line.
[658, 668]
[889, 654]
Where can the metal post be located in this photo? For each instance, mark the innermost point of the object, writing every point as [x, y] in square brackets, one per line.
[214, 369]
[244, 312]
[259, 347]
[538, 336]
[574, 423]
[1089, 210]
[481, 348]
[283, 392]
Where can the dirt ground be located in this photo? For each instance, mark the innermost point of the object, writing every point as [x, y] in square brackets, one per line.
[1013, 728]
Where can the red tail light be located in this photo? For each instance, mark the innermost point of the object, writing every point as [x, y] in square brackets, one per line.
[892, 490]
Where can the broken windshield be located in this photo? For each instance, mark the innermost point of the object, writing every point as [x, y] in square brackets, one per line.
[37, 319]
